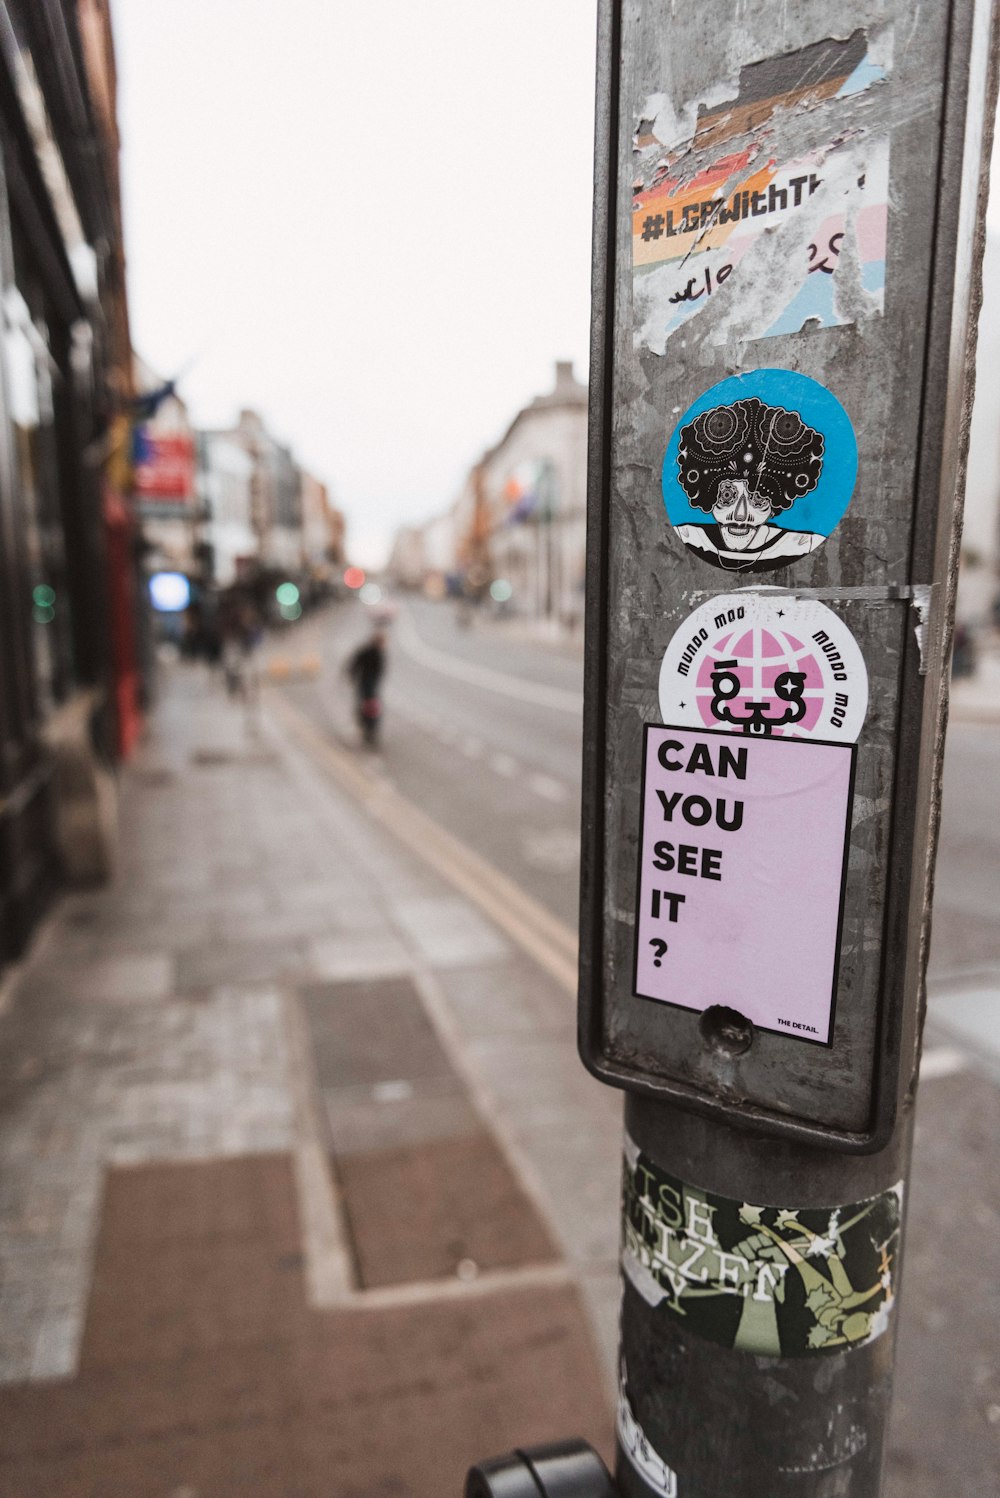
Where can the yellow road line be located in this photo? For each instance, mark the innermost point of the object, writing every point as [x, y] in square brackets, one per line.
[551, 943]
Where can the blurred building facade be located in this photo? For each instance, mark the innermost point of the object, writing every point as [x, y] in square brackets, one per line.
[70, 679]
[260, 515]
[520, 515]
[225, 489]
[323, 528]
[535, 483]
[407, 564]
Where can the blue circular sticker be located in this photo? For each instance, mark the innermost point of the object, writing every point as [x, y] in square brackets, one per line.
[759, 470]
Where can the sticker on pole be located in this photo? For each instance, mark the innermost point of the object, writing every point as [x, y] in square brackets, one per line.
[759, 470]
[743, 858]
[767, 665]
[773, 1281]
[637, 1446]
[765, 196]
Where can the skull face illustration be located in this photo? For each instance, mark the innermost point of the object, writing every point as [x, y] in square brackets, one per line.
[743, 465]
[740, 514]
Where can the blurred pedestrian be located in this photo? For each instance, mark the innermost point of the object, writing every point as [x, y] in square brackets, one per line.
[241, 635]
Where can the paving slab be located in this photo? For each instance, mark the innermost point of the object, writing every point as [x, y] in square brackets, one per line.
[373, 1119]
[371, 1031]
[442, 1208]
[447, 932]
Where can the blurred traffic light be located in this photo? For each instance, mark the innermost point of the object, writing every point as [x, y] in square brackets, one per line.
[289, 601]
[43, 599]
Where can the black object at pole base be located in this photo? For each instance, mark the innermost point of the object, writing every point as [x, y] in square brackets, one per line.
[567, 1469]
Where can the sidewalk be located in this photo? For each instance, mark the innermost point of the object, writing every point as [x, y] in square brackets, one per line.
[304, 1189]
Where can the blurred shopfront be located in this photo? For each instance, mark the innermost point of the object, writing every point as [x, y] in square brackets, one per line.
[70, 688]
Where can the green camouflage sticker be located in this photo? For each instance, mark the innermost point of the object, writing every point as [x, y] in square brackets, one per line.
[775, 1281]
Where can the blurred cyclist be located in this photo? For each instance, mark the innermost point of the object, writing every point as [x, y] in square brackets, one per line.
[366, 668]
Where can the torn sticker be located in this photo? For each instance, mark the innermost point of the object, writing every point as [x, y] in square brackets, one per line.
[922, 598]
[638, 1448]
[772, 1281]
[765, 664]
[759, 470]
[795, 168]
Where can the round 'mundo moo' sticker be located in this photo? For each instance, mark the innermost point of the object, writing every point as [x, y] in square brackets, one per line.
[759, 470]
[763, 664]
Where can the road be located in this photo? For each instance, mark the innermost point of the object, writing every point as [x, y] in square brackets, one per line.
[482, 733]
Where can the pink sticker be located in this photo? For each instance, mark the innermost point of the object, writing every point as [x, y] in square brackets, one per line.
[743, 856]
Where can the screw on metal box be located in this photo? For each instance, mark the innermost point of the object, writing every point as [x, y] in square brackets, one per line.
[567, 1469]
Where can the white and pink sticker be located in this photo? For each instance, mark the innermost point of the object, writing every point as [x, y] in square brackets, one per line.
[767, 665]
[746, 813]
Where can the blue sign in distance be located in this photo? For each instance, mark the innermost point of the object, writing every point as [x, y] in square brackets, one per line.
[169, 592]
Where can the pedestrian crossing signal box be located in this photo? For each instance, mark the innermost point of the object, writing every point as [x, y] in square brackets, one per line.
[784, 273]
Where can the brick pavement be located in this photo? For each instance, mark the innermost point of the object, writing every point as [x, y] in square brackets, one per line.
[241, 1252]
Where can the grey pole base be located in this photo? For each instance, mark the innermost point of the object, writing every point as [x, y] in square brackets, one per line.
[749, 1427]
[727, 1421]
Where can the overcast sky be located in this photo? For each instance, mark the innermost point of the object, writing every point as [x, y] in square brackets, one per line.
[370, 221]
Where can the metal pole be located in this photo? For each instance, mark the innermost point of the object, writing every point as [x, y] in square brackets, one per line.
[788, 230]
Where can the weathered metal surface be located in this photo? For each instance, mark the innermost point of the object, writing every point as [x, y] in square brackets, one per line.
[876, 570]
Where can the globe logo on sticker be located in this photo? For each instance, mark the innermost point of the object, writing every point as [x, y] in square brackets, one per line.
[759, 470]
[765, 665]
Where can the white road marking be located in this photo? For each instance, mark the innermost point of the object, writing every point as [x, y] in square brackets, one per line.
[547, 788]
[970, 1017]
[941, 1061]
[944, 985]
[411, 644]
[392, 1092]
[504, 765]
